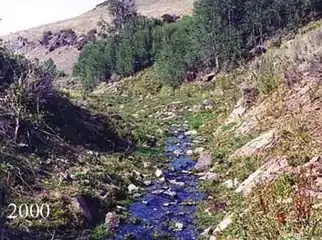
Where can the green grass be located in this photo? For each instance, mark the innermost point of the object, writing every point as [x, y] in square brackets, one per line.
[148, 152]
[197, 120]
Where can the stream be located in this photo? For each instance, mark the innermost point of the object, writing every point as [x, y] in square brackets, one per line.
[167, 210]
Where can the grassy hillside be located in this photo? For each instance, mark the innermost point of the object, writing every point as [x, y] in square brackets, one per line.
[279, 127]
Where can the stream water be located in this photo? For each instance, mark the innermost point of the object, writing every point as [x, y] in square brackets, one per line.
[167, 210]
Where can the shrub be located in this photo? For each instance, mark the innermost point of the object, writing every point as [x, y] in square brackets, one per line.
[176, 51]
[24, 89]
[124, 54]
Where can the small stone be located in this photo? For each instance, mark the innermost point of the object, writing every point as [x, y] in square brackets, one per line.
[158, 173]
[147, 182]
[162, 180]
[174, 182]
[178, 227]
[137, 195]
[121, 208]
[170, 193]
[188, 203]
[209, 176]
[207, 232]
[86, 182]
[189, 152]
[231, 184]
[157, 192]
[146, 165]
[191, 132]
[177, 152]
[199, 150]
[145, 202]
[132, 188]
[165, 204]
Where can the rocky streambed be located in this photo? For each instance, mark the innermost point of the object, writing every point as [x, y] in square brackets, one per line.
[167, 210]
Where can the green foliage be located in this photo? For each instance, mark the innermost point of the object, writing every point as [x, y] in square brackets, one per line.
[94, 63]
[123, 54]
[177, 51]
[50, 67]
[100, 232]
[198, 119]
[219, 34]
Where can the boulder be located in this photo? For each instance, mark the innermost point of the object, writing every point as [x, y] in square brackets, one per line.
[208, 104]
[255, 146]
[132, 188]
[209, 176]
[266, 173]
[204, 161]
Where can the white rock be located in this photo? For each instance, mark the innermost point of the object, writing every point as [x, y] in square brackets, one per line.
[178, 227]
[266, 173]
[170, 193]
[224, 224]
[157, 192]
[199, 150]
[230, 184]
[177, 152]
[132, 188]
[174, 182]
[191, 132]
[189, 152]
[158, 173]
[147, 182]
[205, 233]
[146, 165]
[209, 176]
[162, 180]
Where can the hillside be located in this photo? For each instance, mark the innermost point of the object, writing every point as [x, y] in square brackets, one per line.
[265, 146]
[65, 57]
